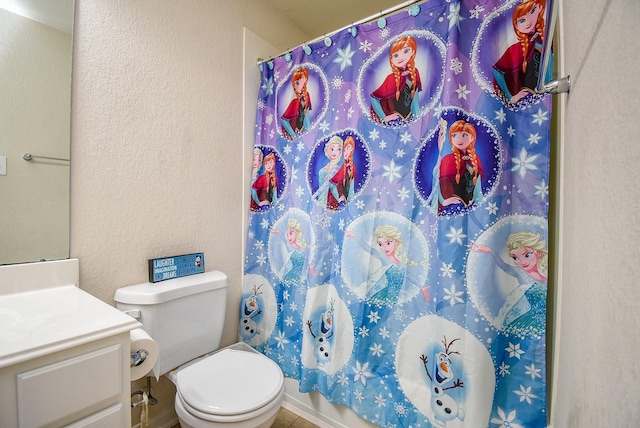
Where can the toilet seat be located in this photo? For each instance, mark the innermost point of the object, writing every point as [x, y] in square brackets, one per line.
[230, 384]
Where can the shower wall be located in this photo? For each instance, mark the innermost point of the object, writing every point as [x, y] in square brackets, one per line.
[599, 216]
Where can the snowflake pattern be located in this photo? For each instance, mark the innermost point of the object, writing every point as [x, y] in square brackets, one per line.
[454, 15]
[452, 295]
[447, 270]
[506, 420]
[365, 46]
[455, 236]
[524, 163]
[362, 373]
[476, 11]
[344, 57]
[503, 370]
[456, 66]
[391, 171]
[514, 350]
[337, 82]
[533, 371]
[268, 86]
[462, 91]
[525, 394]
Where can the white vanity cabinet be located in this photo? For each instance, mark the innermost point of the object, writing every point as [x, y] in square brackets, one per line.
[64, 360]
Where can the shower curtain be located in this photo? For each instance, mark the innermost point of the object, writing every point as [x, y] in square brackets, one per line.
[397, 239]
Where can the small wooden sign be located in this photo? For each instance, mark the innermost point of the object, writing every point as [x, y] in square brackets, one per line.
[175, 267]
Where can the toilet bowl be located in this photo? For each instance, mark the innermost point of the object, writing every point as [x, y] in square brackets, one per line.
[234, 387]
[231, 388]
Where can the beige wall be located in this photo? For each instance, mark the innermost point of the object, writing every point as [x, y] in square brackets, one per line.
[35, 78]
[157, 109]
[158, 170]
[597, 374]
[157, 139]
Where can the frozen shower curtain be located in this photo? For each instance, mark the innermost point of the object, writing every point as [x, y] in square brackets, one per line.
[397, 242]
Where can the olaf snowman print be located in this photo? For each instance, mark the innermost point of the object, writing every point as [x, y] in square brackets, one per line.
[444, 406]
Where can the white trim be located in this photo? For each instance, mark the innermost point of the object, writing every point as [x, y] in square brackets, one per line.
[253, 46]
[558, 259]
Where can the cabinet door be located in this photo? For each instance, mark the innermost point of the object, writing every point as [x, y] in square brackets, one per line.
[54, 391]
[108, 418]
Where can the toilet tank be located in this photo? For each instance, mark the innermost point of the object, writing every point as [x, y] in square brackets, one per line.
[185, 316]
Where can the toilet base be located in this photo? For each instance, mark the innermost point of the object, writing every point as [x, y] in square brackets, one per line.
[262, 420]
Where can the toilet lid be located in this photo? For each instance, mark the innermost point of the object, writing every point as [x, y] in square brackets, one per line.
[230, 382]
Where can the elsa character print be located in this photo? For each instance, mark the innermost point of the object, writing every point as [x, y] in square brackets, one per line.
[256, 168]
[385, 286]
[345, 178]
[293, 267]
[327, 193]
[524, 308]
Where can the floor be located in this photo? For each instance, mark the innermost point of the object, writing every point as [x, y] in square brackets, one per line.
[288, 419]
[285, 419]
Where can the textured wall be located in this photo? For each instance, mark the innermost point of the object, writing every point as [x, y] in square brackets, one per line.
[157, 139]
[597, 380]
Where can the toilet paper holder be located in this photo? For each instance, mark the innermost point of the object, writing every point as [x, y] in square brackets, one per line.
[138, 357]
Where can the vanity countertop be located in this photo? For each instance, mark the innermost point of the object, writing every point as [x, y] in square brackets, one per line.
[39, 322]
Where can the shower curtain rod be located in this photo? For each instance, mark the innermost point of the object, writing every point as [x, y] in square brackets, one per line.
[362, 21]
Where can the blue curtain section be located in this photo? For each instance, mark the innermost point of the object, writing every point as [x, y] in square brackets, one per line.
[398, 244]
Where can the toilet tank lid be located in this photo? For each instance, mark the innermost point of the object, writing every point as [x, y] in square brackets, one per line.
[149, 293]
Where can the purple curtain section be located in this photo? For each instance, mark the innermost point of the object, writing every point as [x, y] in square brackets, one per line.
[398, 244]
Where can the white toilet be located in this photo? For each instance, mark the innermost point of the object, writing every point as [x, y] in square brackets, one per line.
[236, 387]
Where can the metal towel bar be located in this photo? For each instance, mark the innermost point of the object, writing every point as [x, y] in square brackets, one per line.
[29, 156]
